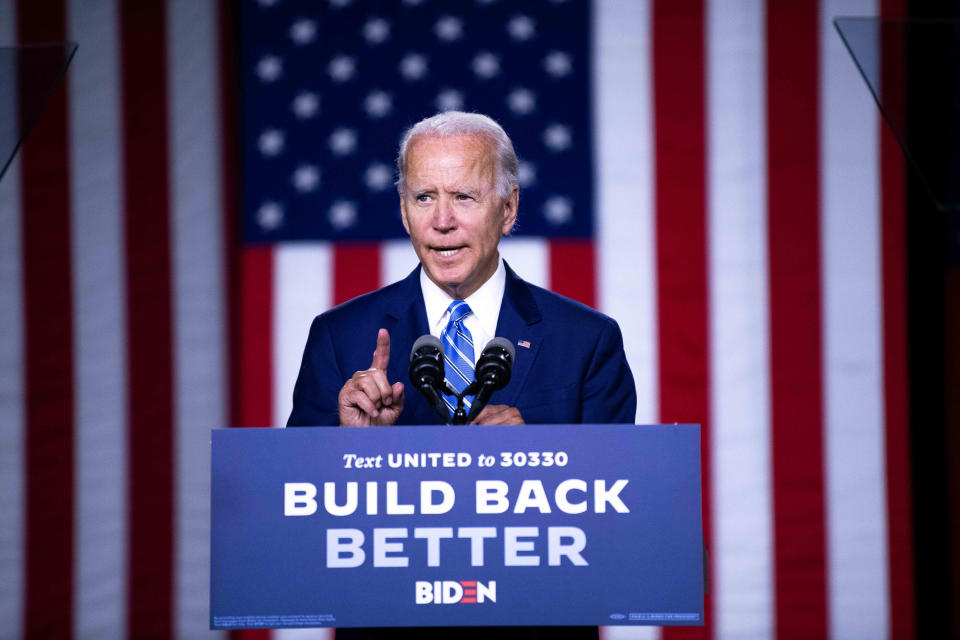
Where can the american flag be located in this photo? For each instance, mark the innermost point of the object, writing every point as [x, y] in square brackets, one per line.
[712, 174]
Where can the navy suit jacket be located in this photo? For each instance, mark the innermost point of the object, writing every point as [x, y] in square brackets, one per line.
[570, 365]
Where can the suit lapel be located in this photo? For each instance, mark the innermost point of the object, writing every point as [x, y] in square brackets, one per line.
[406, 320]
[520, 323]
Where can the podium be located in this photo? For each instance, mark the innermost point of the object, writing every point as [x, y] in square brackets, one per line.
[456, 526]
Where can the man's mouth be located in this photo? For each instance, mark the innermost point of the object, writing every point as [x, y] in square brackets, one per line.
[446, 252]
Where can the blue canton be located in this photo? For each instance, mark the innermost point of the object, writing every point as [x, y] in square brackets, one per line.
[329, 86]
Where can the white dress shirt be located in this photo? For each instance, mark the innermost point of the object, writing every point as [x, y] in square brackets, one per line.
[484, 307]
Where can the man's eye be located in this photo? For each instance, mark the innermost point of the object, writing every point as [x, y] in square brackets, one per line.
[423, 198]
[463, 197]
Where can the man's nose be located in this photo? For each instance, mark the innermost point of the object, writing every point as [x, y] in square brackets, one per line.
[444, 218]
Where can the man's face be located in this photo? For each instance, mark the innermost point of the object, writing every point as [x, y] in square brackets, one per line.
[452, 211]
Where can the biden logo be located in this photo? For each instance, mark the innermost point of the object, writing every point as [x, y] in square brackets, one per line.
[455, 592]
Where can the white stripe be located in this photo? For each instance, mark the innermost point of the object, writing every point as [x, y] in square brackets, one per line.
[198, 297]
[303, 634]
[624, 186]
[99, 303]
[529, 258]
[397, 260]
[623, 154]
[303, 288]
[854, 420]
[11, 356]
[740, 387]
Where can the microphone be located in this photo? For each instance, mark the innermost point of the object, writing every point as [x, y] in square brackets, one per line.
[492, 372]
[427, 372]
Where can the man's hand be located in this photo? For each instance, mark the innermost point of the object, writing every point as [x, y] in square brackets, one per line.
[368, 398]
[498, 414]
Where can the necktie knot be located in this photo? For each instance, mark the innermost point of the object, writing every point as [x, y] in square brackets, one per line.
[458, 311]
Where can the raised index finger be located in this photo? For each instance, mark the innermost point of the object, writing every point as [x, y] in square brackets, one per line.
[381, 355]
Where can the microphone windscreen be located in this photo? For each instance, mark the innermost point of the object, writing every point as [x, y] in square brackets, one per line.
[504, 344]
[424, 341]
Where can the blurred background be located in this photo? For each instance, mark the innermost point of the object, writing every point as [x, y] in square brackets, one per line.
[715, 175]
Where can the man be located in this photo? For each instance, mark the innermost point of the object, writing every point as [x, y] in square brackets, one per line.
[459, 195]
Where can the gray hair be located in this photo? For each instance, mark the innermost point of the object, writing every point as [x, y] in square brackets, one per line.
[451, 124]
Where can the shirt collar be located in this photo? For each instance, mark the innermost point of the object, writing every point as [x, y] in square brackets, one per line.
[484, 302]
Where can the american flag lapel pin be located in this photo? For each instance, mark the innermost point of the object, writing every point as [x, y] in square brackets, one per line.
[523, 343]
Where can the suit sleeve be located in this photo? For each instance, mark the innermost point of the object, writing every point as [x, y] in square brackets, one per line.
[609, 393]
[319, 381]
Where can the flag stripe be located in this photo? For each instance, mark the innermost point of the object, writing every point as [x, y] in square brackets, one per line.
[302, 290]
[678, 80]
[894, 297]
[529, 257]
[100, 586]
[853, 407]
[739, 345]
[149, 316]
[256, 330]
[397, 260]
[48, 344]
[625, 168]
[356, 270]
[795, 333]
[572, 270]
[12, 481]
[200, 383]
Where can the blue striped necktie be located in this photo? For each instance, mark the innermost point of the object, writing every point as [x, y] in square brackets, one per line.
[458, 353]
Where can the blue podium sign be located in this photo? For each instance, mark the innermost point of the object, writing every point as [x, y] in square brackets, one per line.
[430, 526]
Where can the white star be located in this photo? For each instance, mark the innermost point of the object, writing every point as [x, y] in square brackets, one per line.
[521, 28]
[449, 100]
[413, 3]
[270, 215]
[303, 31]
[376, 30]
[306, 178]
[341, 68]
[270, 142]
[305, 105]
[269, 68]
[448, 28]
[486, 65]
[526, 173]
[557, 209]
[378, 104]
[413, 66]
[340, 4]
[557, 137]
[378, 177]
[522, 101]
[266, 3]
[558, 64]
[342, 214]
[343, 141]
[486, 1]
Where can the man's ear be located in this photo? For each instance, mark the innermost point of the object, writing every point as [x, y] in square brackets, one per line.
[510, 206]
[403, 214]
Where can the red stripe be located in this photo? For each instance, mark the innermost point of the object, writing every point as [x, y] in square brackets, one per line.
[48, 341]
[679, 107]
[893, 232]
[468, 600]
[795, 331]
[149, 322]
[256, 329]
[573, 270]
[356, 270]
